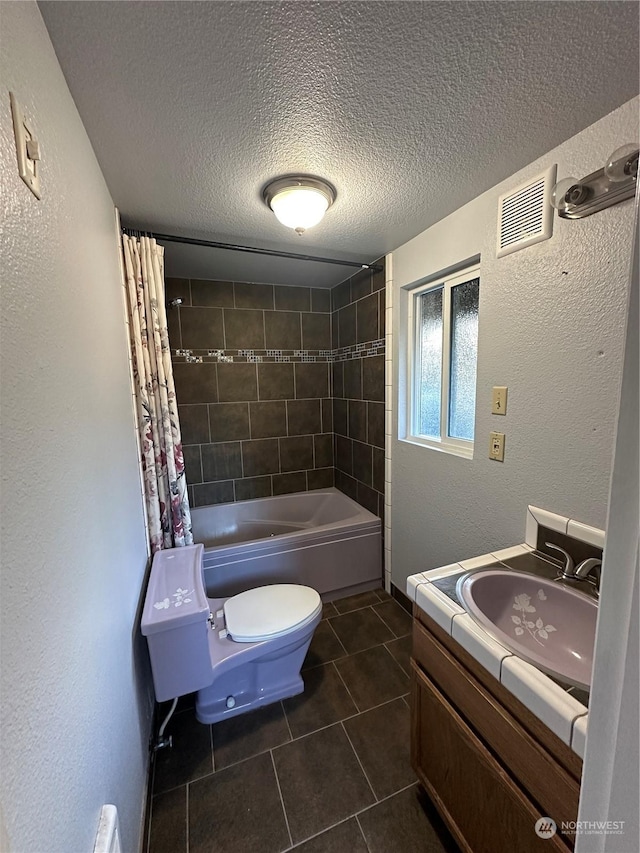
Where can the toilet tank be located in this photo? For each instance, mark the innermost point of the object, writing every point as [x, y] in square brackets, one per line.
[174, 621]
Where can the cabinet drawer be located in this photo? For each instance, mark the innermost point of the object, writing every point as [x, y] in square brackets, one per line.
[484, 808]
[546, 781]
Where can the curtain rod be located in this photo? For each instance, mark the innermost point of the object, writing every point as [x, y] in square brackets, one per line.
[132, 232]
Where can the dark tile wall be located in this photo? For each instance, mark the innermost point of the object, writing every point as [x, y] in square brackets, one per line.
[358, 315]
[252, 368]
[280, 389]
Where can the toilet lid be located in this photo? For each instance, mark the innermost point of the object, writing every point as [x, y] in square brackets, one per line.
[267, 612]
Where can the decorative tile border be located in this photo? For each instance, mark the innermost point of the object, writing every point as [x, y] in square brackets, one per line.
[362, 350]
[189, 357]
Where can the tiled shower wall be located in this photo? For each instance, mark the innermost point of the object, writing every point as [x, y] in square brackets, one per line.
[266, 374]
[252, 375]
[358, 387]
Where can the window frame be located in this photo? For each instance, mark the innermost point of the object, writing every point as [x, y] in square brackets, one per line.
[446, 443]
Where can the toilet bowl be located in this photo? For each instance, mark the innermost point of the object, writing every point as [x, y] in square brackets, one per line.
[236, 653]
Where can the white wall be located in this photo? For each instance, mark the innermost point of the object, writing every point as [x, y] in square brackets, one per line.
[611, 782]
[76, 701]
[552, 319]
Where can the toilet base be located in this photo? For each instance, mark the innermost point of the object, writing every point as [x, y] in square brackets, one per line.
[259, 681]
[214, 709]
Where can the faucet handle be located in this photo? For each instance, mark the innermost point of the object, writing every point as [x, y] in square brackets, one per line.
[568, 571]
[586, 567]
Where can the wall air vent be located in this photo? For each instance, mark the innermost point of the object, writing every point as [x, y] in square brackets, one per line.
[525, 215]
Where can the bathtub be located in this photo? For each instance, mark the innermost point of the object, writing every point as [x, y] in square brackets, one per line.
[321, 538]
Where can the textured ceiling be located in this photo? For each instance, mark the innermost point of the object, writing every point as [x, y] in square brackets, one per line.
[410, 109]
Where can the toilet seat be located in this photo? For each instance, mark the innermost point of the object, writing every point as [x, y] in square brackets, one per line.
[267, 612]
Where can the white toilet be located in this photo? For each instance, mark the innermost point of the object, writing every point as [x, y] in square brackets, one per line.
[238, 653]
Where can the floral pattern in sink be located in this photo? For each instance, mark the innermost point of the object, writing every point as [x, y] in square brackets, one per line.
[536, 629]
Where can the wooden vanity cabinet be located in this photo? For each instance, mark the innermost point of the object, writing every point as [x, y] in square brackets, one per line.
[488, 764]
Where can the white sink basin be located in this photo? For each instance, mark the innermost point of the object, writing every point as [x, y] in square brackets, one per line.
[543, 622]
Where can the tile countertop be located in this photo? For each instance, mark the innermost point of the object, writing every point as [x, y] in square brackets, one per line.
[562, 708]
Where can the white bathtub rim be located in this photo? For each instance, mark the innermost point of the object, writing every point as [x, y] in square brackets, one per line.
[361, 521]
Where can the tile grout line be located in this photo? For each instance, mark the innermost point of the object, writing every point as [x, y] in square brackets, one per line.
[180, 325]
[366, 649]
[344, 729]
[286, 719]
[317, 834]
[322, 728]
[395, 636]
[251, 438]
[348, 691]
[184, 784]
[361, 607]
[407, 672]
[284, 811]
[364, 838]
[372, 708]
[254, 755]
[393, 659]
[382, 800]
[342, 646]
[200, 449]
[314, 731]
[224, 326]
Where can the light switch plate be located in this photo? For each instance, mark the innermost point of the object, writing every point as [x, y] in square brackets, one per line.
[496, 446]
[28, 167]
[499, 400]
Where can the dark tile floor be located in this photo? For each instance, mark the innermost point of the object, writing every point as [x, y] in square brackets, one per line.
[323, 772]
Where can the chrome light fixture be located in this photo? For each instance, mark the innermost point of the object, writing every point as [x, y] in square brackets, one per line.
[615, 182]
[299, 201]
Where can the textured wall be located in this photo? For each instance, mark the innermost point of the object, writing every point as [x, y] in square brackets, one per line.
[611, 780]
[242, 92]
[75, 693]
[256, 419]
[358, 387]
[551, 329]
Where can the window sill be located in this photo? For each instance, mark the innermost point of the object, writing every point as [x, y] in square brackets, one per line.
[441, 447]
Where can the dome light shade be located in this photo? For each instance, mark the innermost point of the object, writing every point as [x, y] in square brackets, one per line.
[622, 164]
[299, 207]
[299, 202]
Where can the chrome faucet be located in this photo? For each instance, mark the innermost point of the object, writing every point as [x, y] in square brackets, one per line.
[568, 571]
[588, 570]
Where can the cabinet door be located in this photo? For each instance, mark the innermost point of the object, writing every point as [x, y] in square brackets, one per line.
[537, 772]
[484, 808]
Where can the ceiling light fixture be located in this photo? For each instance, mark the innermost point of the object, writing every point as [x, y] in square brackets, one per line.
[299, 201]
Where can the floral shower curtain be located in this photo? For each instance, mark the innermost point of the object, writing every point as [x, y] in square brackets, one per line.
[165, 485]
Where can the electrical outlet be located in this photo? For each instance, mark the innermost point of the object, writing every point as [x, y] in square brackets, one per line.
[496, 446]
[499, 400]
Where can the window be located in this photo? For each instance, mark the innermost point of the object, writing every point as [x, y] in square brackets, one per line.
[443, 354]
